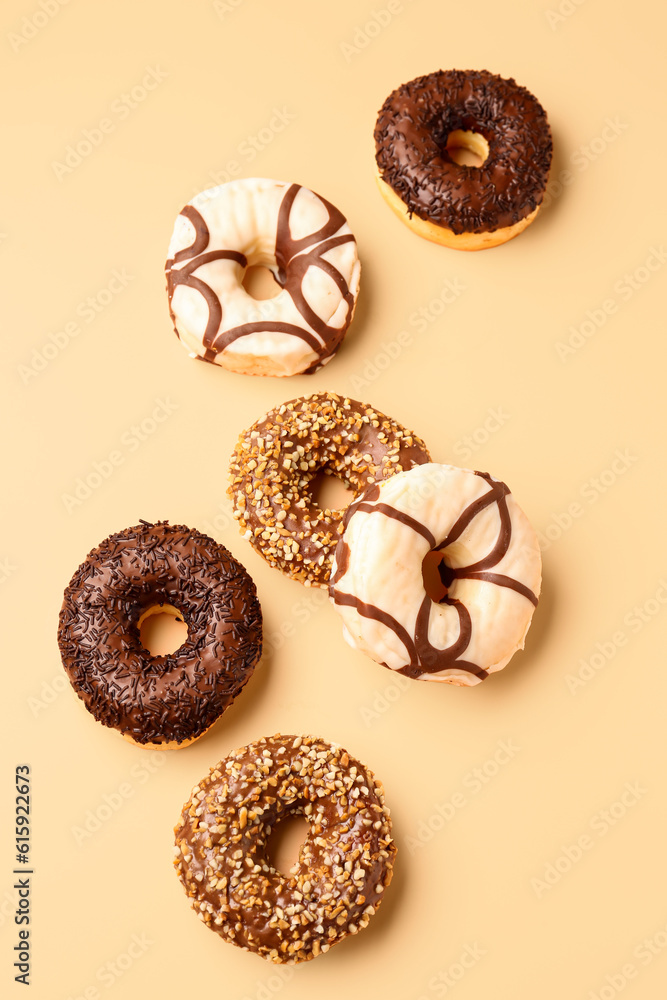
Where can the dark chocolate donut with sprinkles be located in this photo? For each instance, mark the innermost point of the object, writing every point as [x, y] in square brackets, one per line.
[463, 157]
[159, 701]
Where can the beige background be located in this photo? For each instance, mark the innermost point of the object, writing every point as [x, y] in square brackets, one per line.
[472, 885]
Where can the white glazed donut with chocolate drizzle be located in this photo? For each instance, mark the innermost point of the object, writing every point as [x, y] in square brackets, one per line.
[468, 526]
[301, 238]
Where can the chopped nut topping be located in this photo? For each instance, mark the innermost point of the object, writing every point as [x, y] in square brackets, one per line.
[231, 875]
[270, 488]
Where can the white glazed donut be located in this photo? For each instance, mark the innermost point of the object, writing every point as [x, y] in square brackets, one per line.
[490, 572]
[301, 238]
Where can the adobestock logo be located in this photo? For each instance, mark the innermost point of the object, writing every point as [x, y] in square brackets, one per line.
[221, 520]
[600, 825]
[624, 289]
[8, 906]
[643, 954]
[301, 612]
[384, 699]
[108, 974]
[120, 110]
[495, 419]
[248, 149]
[444, 981]
[591, 491]
[7, 569]
[130, 441]
[49, 692]
[605, 650]
[476, 779]
[418, 321]
[566, 8]
[32, 24]
[265, 990]
[85, 313]
[225, 7]
[582, 158]
[96, 817]
[364, 34]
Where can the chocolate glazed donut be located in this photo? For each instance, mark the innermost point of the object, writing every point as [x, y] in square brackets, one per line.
[159, 701]
[344, 866]
[467, 207]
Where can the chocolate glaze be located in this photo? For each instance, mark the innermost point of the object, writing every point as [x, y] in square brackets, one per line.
[293, 258]
[344, 864]
[159, 699]
[411, 138]
[423, 656]
[338, 436]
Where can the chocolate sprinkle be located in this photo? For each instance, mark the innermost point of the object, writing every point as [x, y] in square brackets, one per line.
[411, 138]
[159, 699]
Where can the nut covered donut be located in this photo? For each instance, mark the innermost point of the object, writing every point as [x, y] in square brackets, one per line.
[301, 238]
[423, 129]
[276, 460]
[159, 701]
[468, 527]
[344, 865]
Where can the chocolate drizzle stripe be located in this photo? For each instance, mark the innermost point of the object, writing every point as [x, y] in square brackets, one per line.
[436, 658]
[501, 581]
[337, 277]
[398, 515]
[214, 307]
[294, 281]
[201, 239]
[504, 536]
[290, 248]
[341, 564]
[378, 615]
[185, 275]
[206, 258]
[472, 510]
[223, 340]
[415, 670]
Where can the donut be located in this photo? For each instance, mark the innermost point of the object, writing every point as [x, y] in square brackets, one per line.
[344, 866]
[276, 460]
[159, 701]
[301, 238]
[420, 133]
[488, 562]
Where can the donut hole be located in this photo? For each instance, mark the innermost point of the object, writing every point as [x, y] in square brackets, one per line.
[260, 283]
[437, 576]
[162, 629]
[285, 842]
[329, 492]
[466, 148]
